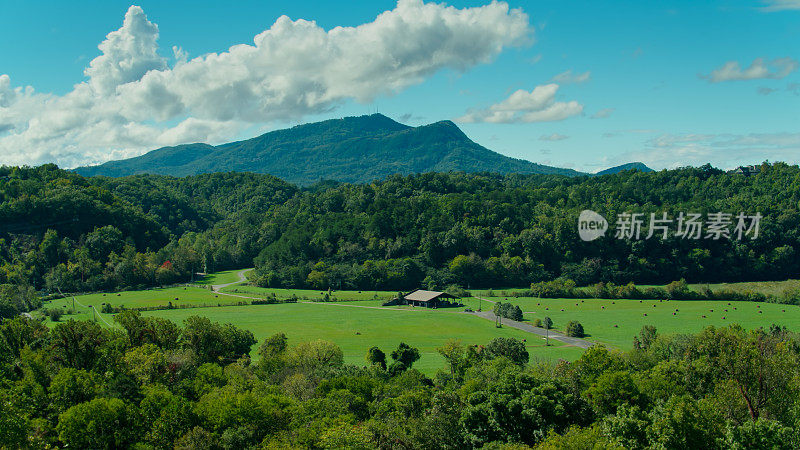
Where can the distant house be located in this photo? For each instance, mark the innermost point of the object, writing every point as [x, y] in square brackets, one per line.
[746, 170]
[429, 299]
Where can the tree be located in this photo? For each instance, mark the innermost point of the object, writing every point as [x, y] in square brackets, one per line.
[404, 357]
[213, 342]
[647, 335]
[761, 434]
[574, 329]
[315, 357]
[511, 348]
[547, 323]
[454, 353]
[77, 343]
[70, 387]
[99, 423]
[376, 357]
[683, 423]
[613, 389]
[513, 406]
[517, 314]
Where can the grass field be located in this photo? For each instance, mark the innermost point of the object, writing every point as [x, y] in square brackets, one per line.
[776, 288]
[385, 328]
[224, 277]
[356, 321]
[188, 295]
[309, 294]
[599, 317]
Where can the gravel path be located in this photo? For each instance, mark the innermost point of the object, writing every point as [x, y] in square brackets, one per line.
[242, 278]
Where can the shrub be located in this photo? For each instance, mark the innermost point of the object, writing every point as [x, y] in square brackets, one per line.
[537, 322]
[574, 329]
[55, 314]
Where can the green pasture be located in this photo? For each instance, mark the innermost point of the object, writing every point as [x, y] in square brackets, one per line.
[309, 294]
[616, 322]
[187, 295]
[356, 321]
[224, 277]
[776, 288]
[355, 329]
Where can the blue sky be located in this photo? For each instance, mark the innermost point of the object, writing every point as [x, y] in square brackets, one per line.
[666, 83]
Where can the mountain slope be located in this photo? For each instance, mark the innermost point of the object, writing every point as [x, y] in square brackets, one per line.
[629, 166]
[353, 149]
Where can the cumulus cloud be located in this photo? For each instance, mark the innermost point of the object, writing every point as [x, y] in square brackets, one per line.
[780, 5]
[538, 105]
[553, 137]
[126, 54]
[758, 69]
[569, 77]
[133, 100]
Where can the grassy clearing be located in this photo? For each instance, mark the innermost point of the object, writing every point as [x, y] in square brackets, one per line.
[188, 295]
[224, 277]
[599, 317]
[309, 294]
[776, 288]
[384, 328]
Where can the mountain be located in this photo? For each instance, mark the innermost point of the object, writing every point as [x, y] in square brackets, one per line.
[353, 149]
[629, 166]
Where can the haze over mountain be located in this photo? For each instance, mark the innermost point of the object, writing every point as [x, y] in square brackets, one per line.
[352, 149]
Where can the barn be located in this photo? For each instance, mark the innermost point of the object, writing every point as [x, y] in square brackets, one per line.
[429, 299]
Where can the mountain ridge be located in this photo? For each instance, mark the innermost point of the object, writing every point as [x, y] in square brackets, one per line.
[351, 149]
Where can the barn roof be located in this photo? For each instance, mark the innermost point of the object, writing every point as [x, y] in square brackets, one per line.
[425, 296]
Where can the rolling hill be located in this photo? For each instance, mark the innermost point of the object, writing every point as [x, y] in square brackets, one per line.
[352, 149]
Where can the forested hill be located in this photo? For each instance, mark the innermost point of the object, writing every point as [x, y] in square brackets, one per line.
[59, 230]
[353, 149]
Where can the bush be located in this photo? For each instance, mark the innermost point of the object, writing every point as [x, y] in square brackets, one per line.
[537, 323]
[55, 314]
[574, 329]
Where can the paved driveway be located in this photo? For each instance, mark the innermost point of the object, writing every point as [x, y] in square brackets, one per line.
[582, 343]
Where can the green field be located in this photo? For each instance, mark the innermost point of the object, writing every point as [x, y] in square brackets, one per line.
[776, 288]
[599, 317]
[224, 277]
[309, 294]
[355, 329]
[178, 296]
[356, 321]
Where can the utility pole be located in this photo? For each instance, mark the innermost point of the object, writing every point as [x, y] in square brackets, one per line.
[94, 314]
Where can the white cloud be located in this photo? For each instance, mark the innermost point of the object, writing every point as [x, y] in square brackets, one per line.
[134, 100]
[569, 77]
[553, 137]
[721, 150]
[126, 54]
[758, 69]
[603, 113]
[538, 105]
[780, 5]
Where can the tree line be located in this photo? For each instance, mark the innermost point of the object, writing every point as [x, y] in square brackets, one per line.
[61, 231]
[151, 383]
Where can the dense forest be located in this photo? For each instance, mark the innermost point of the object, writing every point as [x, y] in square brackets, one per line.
[60, 231]
[151, 384]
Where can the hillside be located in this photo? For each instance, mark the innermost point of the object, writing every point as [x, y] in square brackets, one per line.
[353, 149]
[629, 166]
